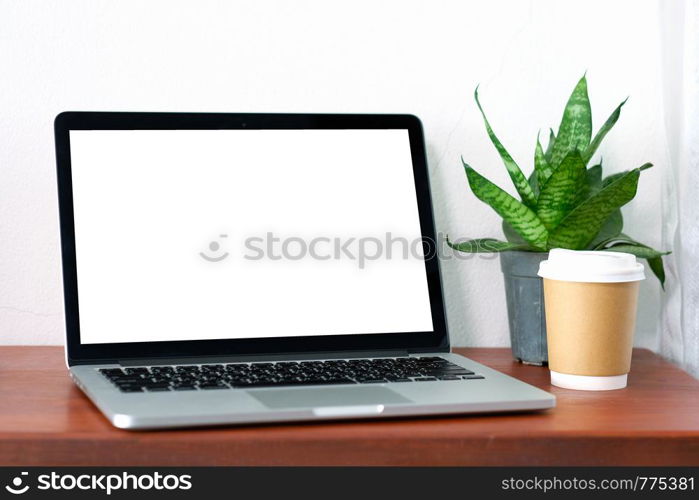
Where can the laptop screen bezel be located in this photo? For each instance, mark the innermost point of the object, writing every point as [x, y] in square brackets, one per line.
[78, 353]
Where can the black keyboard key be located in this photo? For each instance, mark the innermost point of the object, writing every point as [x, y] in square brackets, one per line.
[155, 385]
[131, 389]
[138, 383]
[161, 369]
[242, 379]
[237, 367]
[129, 381]
[449, 377]
[438, 373]
[473, 377]
[111, 372]
[213, 386]
[137, 371]
[450, 366]
[335, 362]
[126, 383]
[425, 379]
[187, 369]
[185, 381]
[158, 388]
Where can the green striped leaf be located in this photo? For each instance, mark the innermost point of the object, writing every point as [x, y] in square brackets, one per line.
[610, 229]
[593, 182]
[617, 239]
[592, 148]
[518, 178]
[522, 218]
[562, 191]
[622, 240]
[585, 221]
[575, 130]
[611, 178]
[534, 183]
[626, 244]
[549, 147]
[656, 265]
[638, 250]
[511, 235]
[594, 177]
[541, 166]
[485, 245]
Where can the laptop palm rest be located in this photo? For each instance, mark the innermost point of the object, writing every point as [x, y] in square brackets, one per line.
[329, 401]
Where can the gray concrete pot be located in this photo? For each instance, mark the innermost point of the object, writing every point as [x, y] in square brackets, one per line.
[525, 305]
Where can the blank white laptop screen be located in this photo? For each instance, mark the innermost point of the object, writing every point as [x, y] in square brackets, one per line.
[229, 234]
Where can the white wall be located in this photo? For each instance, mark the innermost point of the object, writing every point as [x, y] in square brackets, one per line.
[320, 56]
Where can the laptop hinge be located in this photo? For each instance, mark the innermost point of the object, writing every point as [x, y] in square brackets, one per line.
[261, 357]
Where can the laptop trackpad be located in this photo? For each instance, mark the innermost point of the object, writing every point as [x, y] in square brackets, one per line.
[325, 397]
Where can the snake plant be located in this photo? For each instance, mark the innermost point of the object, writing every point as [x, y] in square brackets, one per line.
[563, 203]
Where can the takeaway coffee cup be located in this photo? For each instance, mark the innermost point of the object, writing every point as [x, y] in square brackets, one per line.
[590, 301]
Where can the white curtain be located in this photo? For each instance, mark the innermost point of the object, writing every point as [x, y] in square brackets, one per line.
[679, 332]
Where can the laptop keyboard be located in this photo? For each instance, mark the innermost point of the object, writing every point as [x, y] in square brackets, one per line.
[285, 373]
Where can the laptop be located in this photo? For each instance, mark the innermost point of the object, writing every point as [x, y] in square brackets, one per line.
[250, 268]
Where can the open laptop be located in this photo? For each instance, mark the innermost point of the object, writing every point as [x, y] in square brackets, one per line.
[248, 268]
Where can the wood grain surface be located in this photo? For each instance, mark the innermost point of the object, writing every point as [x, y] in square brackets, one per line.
[46, 420]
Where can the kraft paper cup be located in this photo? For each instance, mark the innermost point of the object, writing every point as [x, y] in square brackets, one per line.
[590, 300]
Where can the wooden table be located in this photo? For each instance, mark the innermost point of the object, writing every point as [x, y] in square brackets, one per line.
[45, 420]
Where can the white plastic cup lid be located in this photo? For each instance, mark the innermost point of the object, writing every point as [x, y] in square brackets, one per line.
[591, 267]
